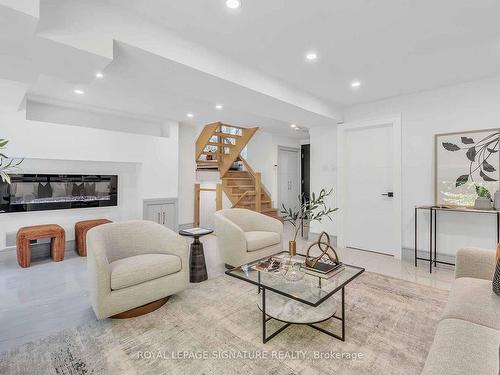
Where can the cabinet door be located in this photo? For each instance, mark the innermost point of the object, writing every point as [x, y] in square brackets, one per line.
[168, 216]
[161, 211]
[154, 213]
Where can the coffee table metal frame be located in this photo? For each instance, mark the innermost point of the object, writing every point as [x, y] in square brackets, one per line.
[261, 288]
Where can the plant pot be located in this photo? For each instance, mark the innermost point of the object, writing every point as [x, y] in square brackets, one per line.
[482, 203]
[497, 200]
[292, 248]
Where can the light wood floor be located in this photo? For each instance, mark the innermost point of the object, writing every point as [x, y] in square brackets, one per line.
[48, 297]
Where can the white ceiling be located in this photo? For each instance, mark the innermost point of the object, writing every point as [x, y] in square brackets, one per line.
[391, 46]
[163, 59]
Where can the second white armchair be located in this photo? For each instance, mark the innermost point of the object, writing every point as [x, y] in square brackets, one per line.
[244, 236]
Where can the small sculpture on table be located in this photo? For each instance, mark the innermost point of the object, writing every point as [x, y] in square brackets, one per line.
[328, 253]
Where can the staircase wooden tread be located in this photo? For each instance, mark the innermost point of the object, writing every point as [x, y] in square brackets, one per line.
[252, 202]
[227, 135]
[218, 144]
[248, 193]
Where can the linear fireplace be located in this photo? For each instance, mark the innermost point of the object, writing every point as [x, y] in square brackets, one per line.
[36, 192]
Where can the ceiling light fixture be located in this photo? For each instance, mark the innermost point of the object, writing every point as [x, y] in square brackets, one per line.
[79, 92]
[355, 84]
[293, 125]
[190, 115]
[99, 75]
[311, 56]
[233, 4]
[219, 106]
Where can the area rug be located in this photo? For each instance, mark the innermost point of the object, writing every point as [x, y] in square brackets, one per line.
[215, 328]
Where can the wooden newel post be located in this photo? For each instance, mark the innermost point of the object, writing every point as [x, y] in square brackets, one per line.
[196, 205]
[258, 192]
[218, 197]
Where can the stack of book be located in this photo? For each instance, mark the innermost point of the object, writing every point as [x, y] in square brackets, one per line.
[323, 270]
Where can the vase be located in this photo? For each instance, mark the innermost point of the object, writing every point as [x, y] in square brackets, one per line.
[482, 203]
[290, 270]
[292, 248]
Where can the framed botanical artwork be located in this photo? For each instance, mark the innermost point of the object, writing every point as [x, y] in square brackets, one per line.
[467, 166]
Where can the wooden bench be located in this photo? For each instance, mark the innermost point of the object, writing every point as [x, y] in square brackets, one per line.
[26, 234]
[81, 229]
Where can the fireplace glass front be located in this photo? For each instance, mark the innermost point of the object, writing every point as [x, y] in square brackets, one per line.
[35, 192]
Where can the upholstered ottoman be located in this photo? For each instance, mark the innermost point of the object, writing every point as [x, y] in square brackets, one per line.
[81, 229]
[53, 231]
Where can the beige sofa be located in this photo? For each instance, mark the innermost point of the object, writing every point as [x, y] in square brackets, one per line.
[468, 336]
[244, 235]
[133, 263]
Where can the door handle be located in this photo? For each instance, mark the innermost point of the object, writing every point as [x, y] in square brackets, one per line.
[158, 218]
[163, 217]
[389, 194]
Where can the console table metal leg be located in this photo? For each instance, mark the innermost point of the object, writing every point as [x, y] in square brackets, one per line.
[430, 241]
[416, 234]
[435, 237]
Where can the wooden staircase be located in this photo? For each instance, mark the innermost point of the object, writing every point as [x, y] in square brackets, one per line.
[218, 148]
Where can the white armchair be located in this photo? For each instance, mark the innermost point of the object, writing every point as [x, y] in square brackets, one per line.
[134, 263]
[244, 235]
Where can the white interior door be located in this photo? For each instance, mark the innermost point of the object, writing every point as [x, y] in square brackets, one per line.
[370, 183]
[289, 176]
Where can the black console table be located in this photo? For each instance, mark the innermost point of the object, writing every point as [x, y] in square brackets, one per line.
[433, 210]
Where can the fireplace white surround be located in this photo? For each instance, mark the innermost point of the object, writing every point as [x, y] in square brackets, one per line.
[144, 164]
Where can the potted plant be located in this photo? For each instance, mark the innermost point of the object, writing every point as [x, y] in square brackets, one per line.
[306, 212]
[483, 200]
[7, 165]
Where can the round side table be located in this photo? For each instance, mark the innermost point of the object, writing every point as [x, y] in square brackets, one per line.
[197, 265]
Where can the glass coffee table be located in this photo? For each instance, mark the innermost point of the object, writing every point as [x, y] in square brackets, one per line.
[306, 301]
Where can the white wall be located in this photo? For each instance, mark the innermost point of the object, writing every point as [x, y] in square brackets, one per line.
[468, 106]
[187, 172]
[147, 166]
[323, 141]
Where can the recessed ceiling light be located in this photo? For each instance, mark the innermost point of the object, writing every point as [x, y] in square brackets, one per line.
[233, 4]
[297, 128]
[79, 92]
[355, 84]
[219, 106]
[311, 56]
[293, 125]
[99, 75]
[190, 115]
